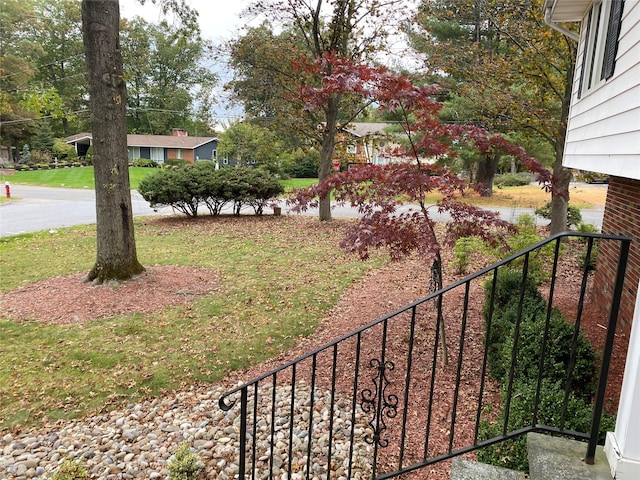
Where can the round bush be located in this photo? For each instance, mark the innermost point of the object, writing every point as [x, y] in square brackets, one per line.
[512, 180]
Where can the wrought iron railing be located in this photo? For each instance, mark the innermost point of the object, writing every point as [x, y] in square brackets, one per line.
[382, 400]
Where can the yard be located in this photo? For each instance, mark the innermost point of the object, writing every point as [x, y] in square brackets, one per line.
[219, 296]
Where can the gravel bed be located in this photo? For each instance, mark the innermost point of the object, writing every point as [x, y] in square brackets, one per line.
[138, 441]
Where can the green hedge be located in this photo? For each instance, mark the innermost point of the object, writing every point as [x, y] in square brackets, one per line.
[512, 180]
[507, 294]
[574, 217]
[144, 162]
[186, 188]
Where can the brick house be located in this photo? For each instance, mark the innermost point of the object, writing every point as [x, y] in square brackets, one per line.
[158, 147]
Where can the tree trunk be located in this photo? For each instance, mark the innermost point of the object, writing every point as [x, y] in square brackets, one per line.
[486, 171]
[560, 194]
[560, 191]
[436, 284]
[326, 154]
[116, 257]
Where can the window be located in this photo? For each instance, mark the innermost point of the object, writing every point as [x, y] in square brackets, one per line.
[352, 149]
[134, 153]
[157, 154]
[603, 30]
[179, 153]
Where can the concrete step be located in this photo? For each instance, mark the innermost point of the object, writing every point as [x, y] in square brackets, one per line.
[563, 459]
[468, 470]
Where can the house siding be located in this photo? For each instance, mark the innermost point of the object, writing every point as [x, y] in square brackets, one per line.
[621, 217]
[603, 133]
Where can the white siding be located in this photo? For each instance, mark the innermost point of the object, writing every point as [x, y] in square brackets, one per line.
[604, 125]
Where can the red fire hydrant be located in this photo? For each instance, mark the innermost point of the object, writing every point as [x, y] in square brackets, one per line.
[7, 189]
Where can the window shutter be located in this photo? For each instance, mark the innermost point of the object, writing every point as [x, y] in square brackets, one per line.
[613, 32]
[586, 48]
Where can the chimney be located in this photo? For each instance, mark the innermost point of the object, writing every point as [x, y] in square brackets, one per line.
[179, 132]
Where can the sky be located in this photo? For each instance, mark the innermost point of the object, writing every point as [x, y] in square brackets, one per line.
[219, 19]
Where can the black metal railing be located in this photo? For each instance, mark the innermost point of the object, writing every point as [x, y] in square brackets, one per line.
[383, 400]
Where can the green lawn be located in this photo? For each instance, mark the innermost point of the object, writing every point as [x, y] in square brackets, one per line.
[298, 183]
[77, 177]
[82, 177]
[279, 276]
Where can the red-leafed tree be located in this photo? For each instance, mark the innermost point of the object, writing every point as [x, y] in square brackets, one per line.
[378, 191]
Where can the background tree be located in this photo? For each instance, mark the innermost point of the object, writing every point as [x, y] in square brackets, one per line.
[265, 83]
[60, 70]
[378, 192]
[248, 144]
[167, 81]
[514, 72]
[352, 29]
[16, 71]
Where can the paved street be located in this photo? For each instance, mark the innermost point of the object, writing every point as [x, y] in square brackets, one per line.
[42, 208]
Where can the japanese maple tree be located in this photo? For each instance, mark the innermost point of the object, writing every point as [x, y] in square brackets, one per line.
[378, 191]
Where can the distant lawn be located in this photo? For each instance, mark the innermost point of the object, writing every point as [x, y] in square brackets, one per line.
[82, 177]
[292, 183]
[77, 177]
[533, 196]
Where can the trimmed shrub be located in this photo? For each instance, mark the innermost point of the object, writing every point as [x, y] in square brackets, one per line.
[89, 156]
[174, 188]
[188, 187]
[40, 158]
[301, 164]
[463, 251]
[557, 352]
[524, 238]
[145, 162]
[63, 151]
[512, 180]
[211, 186]
[557, 361]
[513, 453]
[177, 162]
[574, 217]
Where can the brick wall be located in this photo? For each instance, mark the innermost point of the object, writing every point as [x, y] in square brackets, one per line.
[621, 216]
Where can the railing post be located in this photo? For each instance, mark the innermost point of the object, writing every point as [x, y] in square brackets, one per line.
[243, 433]
[608, 349]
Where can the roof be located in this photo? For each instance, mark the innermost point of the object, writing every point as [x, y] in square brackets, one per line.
[567, 10]
[167, 141]
[158, 141]
[362, 129]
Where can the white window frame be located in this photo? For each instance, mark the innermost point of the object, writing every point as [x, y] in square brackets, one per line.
[351, 148]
